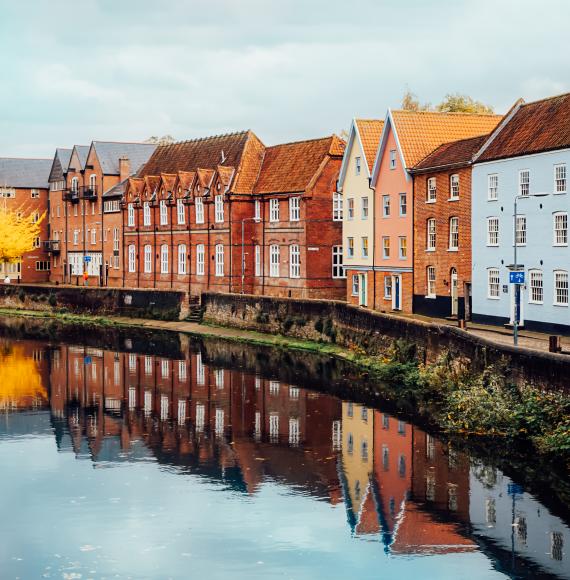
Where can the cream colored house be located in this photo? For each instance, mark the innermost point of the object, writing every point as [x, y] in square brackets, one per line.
[358, 208]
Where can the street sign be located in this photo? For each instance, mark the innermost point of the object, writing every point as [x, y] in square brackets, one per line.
[87, 258]
[516, 277]
[87, 360]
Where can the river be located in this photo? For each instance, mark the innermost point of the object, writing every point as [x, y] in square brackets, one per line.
[148, 456]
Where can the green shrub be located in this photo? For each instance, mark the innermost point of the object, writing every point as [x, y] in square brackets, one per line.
[52, 300]
[262, 318]
[319, 324]
[21, 295]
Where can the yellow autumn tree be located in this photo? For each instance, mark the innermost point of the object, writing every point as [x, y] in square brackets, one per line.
[18, 231]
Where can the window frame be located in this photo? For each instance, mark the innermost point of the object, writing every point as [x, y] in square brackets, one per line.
[454, 187]
[564, 179]
[364, 207]
[386, 247]
[491, 296]
[274, 261]
[386, 205]
[431, 236]
[431, 190]
[524, 186]
[453, 242]
[535, 274]
[182, 259]
[337, 206]
[492, 188]
[521, 219]
[350, 247]
[132, 256]
[294, 261]
[274, 210]
[148, 254]
[403, 196]
[564, 232]
[555, 274]
[219, 208]
[163, 212]
[164, 259]
[431, 291]
[364, 248]
[219, 260]
[491, 244]
[337, 260]
[200, 259]
[180, 212]
[199, 210]
[295, 209]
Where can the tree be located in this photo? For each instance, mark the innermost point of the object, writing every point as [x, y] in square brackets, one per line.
[164, 140]
[410, 102]
[458, 103]
[18, 233]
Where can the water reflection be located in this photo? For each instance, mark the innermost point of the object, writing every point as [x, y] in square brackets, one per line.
[203, 413]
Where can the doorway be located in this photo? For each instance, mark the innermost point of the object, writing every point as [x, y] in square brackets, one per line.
[454, 293]
[397, 292]
[362, 284]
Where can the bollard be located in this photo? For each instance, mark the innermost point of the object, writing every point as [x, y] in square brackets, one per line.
[462, 323]
[554, 343]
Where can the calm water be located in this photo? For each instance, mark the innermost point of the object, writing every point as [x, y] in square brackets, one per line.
[220, 461]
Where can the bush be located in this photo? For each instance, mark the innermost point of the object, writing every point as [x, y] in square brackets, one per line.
[287, 324]
[52, 300]
[21, 295]
[319, 325]
[262, 318]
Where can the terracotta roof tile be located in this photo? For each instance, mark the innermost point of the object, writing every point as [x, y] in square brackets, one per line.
[538, 126]
[185, 179]
[419, 133]
[291, 166]
[454, 153]
[168, 180]
[370, 131]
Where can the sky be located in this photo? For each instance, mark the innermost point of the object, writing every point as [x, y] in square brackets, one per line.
[74, 71]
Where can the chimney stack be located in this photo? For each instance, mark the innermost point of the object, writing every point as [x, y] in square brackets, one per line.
[124, 168]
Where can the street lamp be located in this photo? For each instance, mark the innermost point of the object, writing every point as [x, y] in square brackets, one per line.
[249, 219]
[516, 266]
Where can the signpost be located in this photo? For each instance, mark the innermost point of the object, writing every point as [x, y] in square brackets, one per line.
[516, 277]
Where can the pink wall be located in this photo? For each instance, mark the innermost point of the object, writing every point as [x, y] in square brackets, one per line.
[392, 182]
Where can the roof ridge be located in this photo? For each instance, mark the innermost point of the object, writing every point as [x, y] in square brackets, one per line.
[122, 142]
[551, 98]
[208, 137]
[447, 113]
[304, 141]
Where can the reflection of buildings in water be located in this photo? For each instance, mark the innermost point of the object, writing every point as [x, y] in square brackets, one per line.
[402, 487]
[24, 373]
[509, 518]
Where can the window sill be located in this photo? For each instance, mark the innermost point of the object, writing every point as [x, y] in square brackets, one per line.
[536, 303]
[561, 305]
[492, 199]
[559, 192]
[430, 250]
[492, 245]
[453, 199]
[559, 245]
[493, 297]
[453, 249]
[431, 297]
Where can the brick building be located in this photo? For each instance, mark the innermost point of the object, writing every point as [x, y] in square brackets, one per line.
[24, 188]
[407, 137]
[226, 213]
[442, 229]
[85, 212]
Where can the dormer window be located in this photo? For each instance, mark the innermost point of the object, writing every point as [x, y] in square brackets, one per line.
[163, 213]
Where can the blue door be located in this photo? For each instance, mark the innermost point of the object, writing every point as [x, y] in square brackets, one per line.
[396, 292]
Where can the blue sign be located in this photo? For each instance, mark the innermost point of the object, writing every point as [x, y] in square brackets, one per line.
[514, 489]
[87, 360]
[87, 259]
[516, 277]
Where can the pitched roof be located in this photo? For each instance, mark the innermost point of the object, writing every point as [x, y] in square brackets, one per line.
[454, 154]
[240, 150]
[535, 127]
[291, 167]
[109, 153]
[82, 152]
[370, 131]
[28, 173]
[60, 164]
[117, 190]
[420, 132]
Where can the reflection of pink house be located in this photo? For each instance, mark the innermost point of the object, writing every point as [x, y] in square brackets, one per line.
[407, 137]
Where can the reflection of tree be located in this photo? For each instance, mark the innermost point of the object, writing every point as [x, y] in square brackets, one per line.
[21, 384]
[486, 474]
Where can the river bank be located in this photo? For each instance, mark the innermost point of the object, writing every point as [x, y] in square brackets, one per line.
[447, 391]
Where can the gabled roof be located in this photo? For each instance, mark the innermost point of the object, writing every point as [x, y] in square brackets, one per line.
[117, 190]
[292, 166]
[28, 173]
[82, 153]
[59, 164]
[367, 132]
[454, 154]
[109, 153]
[244, 151]
[533, 128]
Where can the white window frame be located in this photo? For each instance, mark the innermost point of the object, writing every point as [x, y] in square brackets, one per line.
[338, 270]
[392, 159]
[199, 208]
[294, 209]
[132, 253]
[524, 182]
[337, 206]
[219, 260]
[164, 259]
[257, 256]
[492, 231]
[357, 165]
[431, 190]
[182, 259]
[454, 187]
[364, 207]
[200, 259]
[350, 247]
[388, 287]
[560, 230]
[355, 284]
[130, 215]
[274, 260]
[492, 186]
[147, 259]
[163, 213]
[536, 286]
[403, 204]
[560, 178]
[430, 282]
[431, 234]
[386, 206]
[294, 261]
[257, 210]
[403, 247]
[453, 234]
[273, 210]
[350, 209]
[180, 212]
[385, 247]
[493, 281]
[364, 248]
[520, 231]
[146, 214]
[219, 209]
[560, 287]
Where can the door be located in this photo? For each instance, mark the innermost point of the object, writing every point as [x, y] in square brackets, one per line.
[363, 289]
[454, 293]
[517, 301]
[397, 299]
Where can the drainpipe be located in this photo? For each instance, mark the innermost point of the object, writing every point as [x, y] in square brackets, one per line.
[171, 247]
[373, 243]
[230, 244]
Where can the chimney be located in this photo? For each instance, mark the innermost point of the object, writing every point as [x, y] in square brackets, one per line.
[124, 168]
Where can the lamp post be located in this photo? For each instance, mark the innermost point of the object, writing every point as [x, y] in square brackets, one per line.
[516, 316]
[248, 219]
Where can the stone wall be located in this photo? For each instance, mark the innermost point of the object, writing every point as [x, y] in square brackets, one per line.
[169, 305]
[377, 334]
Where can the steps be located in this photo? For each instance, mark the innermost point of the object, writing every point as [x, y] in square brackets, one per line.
[195, 310]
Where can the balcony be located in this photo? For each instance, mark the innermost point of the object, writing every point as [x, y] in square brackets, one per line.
[88, 192]
[71, 195]
[52, 246]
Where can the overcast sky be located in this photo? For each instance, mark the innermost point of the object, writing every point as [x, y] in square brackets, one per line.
[78, 70]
